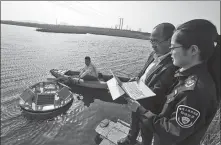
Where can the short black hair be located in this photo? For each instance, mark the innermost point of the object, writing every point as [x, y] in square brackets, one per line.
[87, 57]
[168, 30]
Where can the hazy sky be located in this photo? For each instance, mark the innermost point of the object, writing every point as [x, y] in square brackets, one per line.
[136, 14]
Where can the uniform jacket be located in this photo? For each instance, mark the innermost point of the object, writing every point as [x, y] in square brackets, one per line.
[188, 111]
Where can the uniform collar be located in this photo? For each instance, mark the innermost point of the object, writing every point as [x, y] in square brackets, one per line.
[192, 70]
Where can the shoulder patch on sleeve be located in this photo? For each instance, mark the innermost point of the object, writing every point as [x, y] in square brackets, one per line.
[186, 116]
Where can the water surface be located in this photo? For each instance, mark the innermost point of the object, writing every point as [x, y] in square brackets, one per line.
[26, 58]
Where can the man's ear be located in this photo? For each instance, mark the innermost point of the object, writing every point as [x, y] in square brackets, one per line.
[194, 49]
[169, 42]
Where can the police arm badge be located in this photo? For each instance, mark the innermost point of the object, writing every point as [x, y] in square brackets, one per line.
[186, 116]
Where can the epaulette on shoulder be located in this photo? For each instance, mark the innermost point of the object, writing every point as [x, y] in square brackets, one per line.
[188, 85]
[190, 82]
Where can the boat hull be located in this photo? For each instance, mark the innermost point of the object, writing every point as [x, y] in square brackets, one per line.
[42, 115]
[74, 81]
[45, 100]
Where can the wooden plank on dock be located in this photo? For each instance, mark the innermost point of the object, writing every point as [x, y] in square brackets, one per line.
[111, 132]
[106, 142]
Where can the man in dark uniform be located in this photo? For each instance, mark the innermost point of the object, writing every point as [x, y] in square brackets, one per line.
[157, 74]
[192, 101]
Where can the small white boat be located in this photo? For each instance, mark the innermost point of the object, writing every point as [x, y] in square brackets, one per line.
[45, 100]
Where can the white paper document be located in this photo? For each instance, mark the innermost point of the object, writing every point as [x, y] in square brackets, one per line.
[115, 90]
[136, 89]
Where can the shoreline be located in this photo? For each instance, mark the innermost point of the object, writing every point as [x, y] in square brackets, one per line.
[51, 28]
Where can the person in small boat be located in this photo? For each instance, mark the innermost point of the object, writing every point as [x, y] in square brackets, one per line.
[89, 72]
[192, 101]
[157, 74]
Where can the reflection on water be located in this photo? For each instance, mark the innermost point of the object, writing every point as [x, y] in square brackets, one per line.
[26, 58]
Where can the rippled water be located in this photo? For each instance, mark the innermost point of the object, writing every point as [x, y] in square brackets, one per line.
[26, 58]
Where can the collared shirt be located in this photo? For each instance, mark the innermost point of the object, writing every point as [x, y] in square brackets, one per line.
[89, 70]
[157, 60]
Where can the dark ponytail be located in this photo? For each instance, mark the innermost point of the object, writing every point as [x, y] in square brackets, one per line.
[214, 65]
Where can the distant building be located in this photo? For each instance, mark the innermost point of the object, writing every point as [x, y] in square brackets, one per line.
[63, 23]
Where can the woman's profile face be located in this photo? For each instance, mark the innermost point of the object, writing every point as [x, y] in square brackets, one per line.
[181, 56]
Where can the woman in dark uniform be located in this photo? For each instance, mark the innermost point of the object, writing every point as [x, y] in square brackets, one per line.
[192, 101]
